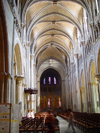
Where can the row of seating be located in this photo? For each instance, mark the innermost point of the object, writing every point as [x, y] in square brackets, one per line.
[36, 124]
[88, 122]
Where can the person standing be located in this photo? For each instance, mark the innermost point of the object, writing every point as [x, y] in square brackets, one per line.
[28, 114]
[70, 120]
[50, 121]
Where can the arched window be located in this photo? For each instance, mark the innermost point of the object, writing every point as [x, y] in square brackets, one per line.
[44, 81]
[49, 79]
[54, 81]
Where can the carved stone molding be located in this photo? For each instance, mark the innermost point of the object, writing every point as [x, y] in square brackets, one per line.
[19, 79]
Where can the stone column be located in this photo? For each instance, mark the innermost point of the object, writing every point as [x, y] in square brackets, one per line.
[97, 6]
[38, 97]
[98, 31]
[32, 104]
[15, 89]
[66, 89]
[7, 88]
[35, 103]
[75, 101]
[85, 73]
[28, 66]
[93, 9]
[72, 84]
[63, 95]
[35, 86]
[25, 104]
[92, 30]
[89, 98]
[28, 101]
[92, 99]
[19, 89]
[2, 75]
[83, 99]
[23, 96]
[98, 79]
[34, 77]
[78, 90]
[23, 32]
[12, 64]
[31, 71]
[96, 97]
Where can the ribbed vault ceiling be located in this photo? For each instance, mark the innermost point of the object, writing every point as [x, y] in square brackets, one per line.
[52, 28]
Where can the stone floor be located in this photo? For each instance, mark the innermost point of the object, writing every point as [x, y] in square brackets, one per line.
[64, 124]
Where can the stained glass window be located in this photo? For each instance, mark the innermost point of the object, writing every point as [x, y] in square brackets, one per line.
[44, 81]
[49, 79]
[54, 80]
[49, 102]
[59, 102]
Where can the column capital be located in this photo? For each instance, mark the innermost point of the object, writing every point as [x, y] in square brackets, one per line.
[32, 56]
[82, 42]
[19, 77]
[23, 25]
[91, 24]
[81, 88]
[28, 44]
[34, 64]
[92, 83]
[24, 85]
[76, 55]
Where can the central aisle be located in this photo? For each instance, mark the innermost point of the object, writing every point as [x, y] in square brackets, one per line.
[63, 124]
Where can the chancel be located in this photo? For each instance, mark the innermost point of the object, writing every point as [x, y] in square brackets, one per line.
[49, 60]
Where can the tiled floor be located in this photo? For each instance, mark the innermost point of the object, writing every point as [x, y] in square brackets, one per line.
[64, 124]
